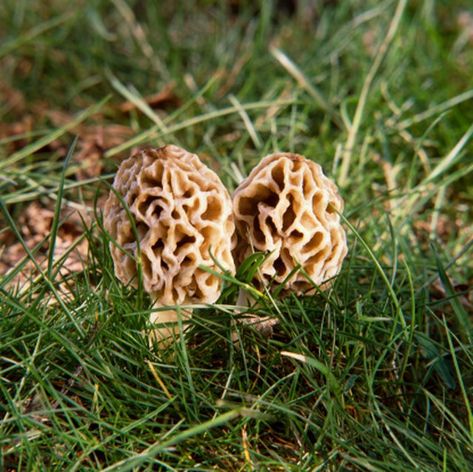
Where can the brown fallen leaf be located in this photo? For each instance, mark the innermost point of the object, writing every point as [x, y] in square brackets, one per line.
[12, 99]
[463, 290]
[444, 229]
[157, 100]
[20, 129]
[35, 222]
[94, 141]
[35, 226]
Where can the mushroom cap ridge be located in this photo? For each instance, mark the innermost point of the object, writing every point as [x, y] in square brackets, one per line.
[183, 217]
[289, 209]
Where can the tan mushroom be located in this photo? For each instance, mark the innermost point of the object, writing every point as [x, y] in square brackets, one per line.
[289, 209]
[183, 219]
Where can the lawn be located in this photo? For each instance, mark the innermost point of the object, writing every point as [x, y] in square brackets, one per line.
[374, 373]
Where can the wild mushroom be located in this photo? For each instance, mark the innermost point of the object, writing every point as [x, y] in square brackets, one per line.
[183, 219]
[288, 209]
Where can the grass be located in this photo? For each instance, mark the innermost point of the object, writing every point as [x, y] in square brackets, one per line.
[375, 373]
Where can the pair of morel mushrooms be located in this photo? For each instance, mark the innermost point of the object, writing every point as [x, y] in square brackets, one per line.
[171, 213]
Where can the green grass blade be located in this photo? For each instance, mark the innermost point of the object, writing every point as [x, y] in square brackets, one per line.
[153, 450]
[57, 210]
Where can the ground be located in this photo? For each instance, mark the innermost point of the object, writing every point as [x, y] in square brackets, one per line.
[373, 373]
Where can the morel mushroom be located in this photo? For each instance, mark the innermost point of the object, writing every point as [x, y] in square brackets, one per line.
[183, 219]
[290, 210]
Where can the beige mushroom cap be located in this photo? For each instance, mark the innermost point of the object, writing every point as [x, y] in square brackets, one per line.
[183, 216]
[288, 208]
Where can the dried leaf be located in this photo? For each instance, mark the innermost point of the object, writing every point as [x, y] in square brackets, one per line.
[35, 225]
[158, 100]
[12, 99]
[19, 128]
[94, 141]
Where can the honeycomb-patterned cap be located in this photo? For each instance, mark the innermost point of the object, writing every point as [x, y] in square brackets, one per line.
[288, 208]
[183, 217]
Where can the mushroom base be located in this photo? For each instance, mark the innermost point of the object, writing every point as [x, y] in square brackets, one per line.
[264, 324]
[166, 335]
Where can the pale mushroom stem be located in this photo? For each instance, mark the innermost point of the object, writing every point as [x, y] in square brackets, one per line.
[264, 324]
[166, 334]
